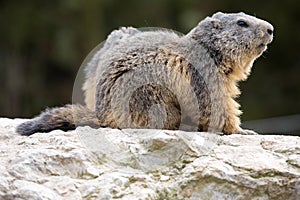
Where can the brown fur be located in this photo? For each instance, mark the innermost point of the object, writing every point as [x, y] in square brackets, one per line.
[158, 79]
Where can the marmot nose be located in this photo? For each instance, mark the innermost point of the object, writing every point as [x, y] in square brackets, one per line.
[270, 31]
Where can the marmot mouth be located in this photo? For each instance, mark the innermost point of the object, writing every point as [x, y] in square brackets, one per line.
[262, 47]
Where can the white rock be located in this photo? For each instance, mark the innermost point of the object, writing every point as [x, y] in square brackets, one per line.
[146, 164]
[34, 191]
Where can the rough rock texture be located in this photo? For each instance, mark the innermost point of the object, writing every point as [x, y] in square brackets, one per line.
[146, 164]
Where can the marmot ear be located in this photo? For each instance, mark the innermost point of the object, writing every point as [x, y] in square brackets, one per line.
[216, 23]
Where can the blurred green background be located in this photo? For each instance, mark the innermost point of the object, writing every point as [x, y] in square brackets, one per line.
[43, 43]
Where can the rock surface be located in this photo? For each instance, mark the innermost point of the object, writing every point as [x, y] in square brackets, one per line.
[146, 164]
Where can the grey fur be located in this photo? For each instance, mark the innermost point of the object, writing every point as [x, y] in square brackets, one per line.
[161, 79]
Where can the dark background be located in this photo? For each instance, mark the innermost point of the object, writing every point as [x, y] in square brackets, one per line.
[43, 43]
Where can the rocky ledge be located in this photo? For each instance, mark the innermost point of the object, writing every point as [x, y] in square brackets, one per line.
[146, 164]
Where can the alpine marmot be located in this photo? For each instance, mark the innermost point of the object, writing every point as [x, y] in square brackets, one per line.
[162, 79]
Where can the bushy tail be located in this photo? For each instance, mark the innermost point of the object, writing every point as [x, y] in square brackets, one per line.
[63, 118]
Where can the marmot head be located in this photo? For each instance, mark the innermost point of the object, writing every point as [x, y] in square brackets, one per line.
[234, 41]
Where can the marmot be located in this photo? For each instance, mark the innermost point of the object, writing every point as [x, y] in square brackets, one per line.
[161, 79]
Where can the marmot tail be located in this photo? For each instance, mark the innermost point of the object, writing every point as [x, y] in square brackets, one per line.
[63, 118]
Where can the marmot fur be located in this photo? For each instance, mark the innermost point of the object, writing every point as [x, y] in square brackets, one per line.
[160, 79]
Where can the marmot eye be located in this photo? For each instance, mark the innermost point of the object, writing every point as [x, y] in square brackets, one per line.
[242, 23]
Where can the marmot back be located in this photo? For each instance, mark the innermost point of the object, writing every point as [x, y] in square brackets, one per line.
[160, 79]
